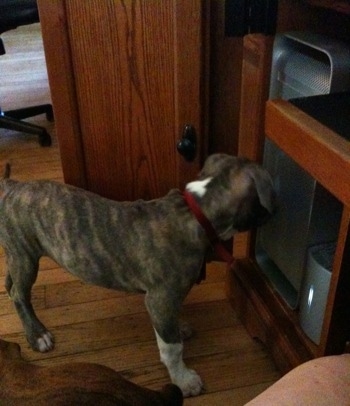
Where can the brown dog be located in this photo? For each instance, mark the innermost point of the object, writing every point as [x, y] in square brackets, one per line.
[24, 384]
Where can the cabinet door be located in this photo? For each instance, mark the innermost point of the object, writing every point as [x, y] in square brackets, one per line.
[125, 78]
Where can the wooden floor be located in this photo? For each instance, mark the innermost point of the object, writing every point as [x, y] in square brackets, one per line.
[112, 328]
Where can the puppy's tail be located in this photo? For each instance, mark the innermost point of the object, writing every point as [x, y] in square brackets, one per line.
[7, 171]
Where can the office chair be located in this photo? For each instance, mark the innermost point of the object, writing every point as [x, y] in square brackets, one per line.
[14, 13]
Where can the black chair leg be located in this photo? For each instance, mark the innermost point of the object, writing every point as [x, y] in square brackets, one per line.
[31, 112]
[11, 123]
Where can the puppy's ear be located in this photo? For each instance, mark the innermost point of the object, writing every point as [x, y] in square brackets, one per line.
[264, 187]
[214, 165]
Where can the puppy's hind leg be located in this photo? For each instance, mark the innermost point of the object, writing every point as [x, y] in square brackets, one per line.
[21, 276]
[164, 316]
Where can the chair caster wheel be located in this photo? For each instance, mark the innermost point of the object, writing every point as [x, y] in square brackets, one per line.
[45, 139]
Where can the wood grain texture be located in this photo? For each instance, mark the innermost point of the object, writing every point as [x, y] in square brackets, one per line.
[132, 78]
[123, 86]
[63, 92]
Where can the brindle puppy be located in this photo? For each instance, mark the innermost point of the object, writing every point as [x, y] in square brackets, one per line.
[155, 247]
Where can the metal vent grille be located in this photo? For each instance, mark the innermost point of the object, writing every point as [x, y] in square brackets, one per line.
[311, 72]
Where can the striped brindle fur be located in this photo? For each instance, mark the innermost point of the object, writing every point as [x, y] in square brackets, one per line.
[154, 247]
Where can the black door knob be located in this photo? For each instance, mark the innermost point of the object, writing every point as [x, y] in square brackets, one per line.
[188, 143]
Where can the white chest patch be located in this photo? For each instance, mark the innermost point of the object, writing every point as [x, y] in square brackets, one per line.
[198, 187]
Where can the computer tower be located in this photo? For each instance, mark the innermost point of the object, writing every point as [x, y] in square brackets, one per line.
[304, 64]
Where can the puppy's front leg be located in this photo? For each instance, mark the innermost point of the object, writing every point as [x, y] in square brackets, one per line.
[186, 379]
[22, 273]
[164, 310]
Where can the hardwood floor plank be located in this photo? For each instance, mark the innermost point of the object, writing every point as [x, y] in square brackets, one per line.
[77, 313]
[7, 306]
[77, 292]
[120, 330]
[237, 396]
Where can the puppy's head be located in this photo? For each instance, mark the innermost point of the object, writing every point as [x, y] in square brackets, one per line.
[235, 193]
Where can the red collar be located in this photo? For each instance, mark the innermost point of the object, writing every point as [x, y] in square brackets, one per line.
[214, 239]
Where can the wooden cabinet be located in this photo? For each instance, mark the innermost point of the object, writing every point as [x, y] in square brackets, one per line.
[125, 78]
[260, 307]
[264, 312]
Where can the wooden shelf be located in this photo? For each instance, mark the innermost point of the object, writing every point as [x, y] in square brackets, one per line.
[316, 148]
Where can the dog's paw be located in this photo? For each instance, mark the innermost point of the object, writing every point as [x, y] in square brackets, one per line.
[189, 382]
[44, 342]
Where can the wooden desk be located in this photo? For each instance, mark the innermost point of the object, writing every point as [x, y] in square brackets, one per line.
[326, 157]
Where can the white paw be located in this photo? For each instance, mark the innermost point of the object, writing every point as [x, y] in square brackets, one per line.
[189, 382]
[186, 379]
[45, 342]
